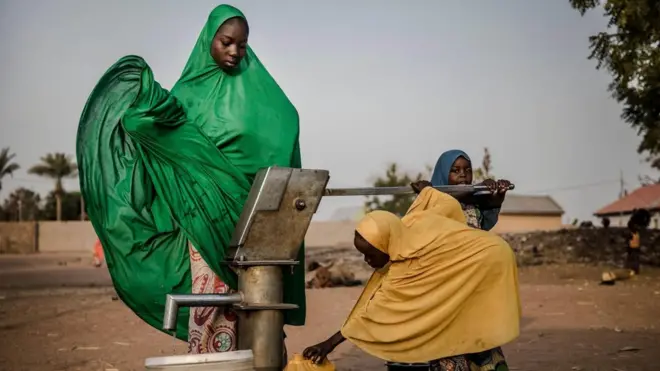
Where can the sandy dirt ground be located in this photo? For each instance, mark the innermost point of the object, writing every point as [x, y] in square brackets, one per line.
[60, 315]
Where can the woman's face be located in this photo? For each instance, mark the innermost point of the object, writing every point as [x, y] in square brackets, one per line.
[460, 172]
[230, 43]
[372, 256]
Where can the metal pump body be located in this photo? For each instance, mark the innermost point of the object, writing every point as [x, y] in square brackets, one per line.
[267, 240]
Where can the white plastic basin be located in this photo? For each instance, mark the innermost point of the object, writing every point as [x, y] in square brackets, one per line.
[242, 360]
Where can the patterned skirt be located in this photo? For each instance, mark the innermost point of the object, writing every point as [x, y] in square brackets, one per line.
[210, 329]
[492, 360]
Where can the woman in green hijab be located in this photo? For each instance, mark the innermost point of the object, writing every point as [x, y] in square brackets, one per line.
[164, 175]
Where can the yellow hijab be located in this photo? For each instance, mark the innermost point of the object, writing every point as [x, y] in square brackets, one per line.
[448, 290]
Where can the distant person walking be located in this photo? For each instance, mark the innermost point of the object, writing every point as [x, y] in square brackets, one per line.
[99, 257]
[632, 261]
[606, 222]
[639, 220]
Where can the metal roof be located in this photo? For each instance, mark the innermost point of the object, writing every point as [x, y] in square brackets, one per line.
[530, 205]
[647, 197]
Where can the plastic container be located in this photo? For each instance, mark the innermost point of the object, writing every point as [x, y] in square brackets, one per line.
[242, 360]
[299, 363]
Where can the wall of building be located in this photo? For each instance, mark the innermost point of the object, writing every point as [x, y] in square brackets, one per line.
[18, 238]
[587, 245]
[622, 221]
[330, 234]
[340, 234]
[655, 221]
[619, 221]
[527, 223]
[66, 236]
[78, 236]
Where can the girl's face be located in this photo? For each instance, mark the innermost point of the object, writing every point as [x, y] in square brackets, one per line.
[460, 172]
[372, 256]
[229, 45]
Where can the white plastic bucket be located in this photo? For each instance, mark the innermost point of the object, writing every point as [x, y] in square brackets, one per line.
[242, 360]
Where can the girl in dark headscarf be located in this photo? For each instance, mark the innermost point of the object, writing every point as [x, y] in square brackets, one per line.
[454, 167]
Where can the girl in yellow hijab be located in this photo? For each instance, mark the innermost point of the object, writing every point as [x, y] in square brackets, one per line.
[440, 289]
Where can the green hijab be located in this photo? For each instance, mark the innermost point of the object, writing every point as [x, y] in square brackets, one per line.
[158, 170]
[245, 110]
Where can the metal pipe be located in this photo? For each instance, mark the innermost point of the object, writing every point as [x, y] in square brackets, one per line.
[173, 302]
[262, 330]
[406, 190]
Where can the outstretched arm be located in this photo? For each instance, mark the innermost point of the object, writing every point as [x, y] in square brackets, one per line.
[131, 220]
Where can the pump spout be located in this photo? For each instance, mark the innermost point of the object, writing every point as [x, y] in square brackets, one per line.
[173, 302]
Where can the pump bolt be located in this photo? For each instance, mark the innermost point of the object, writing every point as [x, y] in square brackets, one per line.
[300, 204]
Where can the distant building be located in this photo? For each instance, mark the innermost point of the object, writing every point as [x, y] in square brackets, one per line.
[619, 211]
[524, 213]
[348, 214]
[519, 213]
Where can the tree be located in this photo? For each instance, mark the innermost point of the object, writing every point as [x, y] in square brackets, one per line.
[7, 167]
[397, 204]
[482, 173]
[71, 206]
[628, 50]
[645, 180]
[56, 166]
[22, 204]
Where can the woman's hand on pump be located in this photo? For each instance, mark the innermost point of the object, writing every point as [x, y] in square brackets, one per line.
[497, 186]
[498, 189]
[503, 185]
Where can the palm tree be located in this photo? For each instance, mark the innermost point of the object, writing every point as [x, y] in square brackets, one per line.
[6, 166]
[22, 204]
[56, 166]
